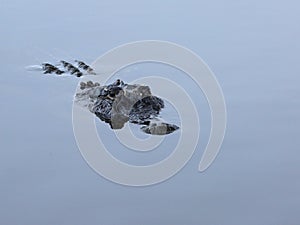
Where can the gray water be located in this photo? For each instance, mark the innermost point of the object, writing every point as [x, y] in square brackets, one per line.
[253, 49]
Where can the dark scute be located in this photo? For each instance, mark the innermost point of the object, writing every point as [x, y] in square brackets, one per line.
[146, 108]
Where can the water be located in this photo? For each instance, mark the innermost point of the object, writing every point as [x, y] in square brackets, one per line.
[252, 47]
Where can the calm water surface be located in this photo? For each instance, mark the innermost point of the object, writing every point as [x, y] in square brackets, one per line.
[253, 49]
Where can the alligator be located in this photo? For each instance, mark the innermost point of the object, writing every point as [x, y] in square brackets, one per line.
[116, 103]
[119, 103]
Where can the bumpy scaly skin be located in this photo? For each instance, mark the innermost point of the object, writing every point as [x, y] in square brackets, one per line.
[48, 68]
[119, 103]
[72, 69]
[85, 67]
[67, 68]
